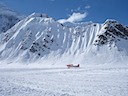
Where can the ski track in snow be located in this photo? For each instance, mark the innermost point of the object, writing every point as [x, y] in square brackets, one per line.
[64, 82]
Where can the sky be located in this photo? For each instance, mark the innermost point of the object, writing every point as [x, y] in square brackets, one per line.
[74, 10]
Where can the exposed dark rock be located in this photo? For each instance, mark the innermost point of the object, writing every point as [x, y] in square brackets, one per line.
[33, 49]
[45, 46]
[94, 25]
[112, 30]
[23, 48]
[46, 41]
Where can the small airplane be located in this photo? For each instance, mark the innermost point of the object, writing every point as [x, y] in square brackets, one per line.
[71, 65]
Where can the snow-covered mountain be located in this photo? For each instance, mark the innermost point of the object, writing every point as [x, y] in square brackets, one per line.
[8, 18]
[39, 37]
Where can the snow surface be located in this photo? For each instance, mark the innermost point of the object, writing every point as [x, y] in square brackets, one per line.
[83, 81]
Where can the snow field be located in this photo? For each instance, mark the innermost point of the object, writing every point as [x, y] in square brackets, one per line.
[91, 81]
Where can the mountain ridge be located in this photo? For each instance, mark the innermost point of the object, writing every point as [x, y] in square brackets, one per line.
[38, 37]
[8, 18]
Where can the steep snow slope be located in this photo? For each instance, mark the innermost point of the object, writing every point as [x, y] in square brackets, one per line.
[112, 43]
[40, 38]
[8, 18]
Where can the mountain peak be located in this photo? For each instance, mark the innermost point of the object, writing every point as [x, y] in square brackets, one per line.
[111, 21]
[8, 18]
[111, 32]
[38, 15]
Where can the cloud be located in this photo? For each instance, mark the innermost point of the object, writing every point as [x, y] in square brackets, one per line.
[87, 7]
[78, 9]
[75, 17]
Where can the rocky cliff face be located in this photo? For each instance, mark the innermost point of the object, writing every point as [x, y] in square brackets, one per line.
[112, 31]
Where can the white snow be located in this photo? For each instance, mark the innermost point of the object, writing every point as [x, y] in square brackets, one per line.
[39, 38]
[83, 81]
